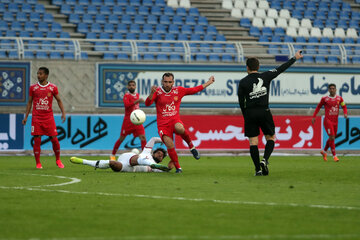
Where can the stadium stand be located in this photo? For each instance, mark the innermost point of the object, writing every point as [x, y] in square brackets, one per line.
[266, 28]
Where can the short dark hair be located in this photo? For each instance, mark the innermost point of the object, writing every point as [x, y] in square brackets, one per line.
[162, 150]
[332, 85]
[131, 81]
[168, 74]
[253, 64]
[45, 70]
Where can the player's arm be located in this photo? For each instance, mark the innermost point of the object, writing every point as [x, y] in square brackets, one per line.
[317, 109]
[152, 96]
[61, 106]
[128, 101]
[343, 105]
[275, 72]
[27, 111]
[241, 99]
[193, 90]
[150, 144]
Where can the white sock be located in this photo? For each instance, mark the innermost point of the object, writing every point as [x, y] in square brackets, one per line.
[144, 161]
[103, 164]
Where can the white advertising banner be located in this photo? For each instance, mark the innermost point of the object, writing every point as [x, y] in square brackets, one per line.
[293, 88]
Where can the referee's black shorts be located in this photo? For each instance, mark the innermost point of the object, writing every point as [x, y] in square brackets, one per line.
[256, 118]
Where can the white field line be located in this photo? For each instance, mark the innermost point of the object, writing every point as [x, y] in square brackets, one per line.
[185, 199]
[184, 237]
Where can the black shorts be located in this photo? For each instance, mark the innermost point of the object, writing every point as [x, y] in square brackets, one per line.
[257, 118]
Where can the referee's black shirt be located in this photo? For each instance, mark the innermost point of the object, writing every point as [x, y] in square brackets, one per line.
[253, 89]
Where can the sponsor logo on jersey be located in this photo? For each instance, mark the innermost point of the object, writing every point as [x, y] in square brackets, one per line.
[258, 90]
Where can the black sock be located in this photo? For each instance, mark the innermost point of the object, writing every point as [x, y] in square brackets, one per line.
[254, 153]
[269, 147]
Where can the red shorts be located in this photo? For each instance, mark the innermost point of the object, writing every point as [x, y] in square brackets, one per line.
[128, 128]
[168, 129]
[47, 128]
[330, 127]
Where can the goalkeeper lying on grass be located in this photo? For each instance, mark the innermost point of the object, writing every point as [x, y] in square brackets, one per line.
[146, 161]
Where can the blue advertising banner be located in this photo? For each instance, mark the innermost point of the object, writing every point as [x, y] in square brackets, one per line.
[91, 132]
[348, 134]
[14, 83]
[11, 132]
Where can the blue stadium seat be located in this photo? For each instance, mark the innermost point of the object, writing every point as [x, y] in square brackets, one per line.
[195, 37]
[33, 45]
[160, 28]
[4, 26]
[355, 15]
[79, 9]
[182, 37]
[333, 60]
[130, 10]
[334, 50]
[356, 60]
[100, 18]
[162, 57]
[284, 50]
[157, 37]
[24, 34]
[48, 17]
[190, 20]
[319, 23]
[254, 31]
[152, 19]
[311, 5]
[220, 37]
[276, 39]
[273, 49]
[267, 31]
[300, 5]
[126, 19]
[173, 28]
[211, 30]
[21, 17]
[177, 20]
[109, 56]
[130, 36]
[29, 26]
[332, 15]
[143, 36]
[8, 16]
[227, 58]
[186, 29]
[323, 50]
[148, 57]
[245, 22]
[264, 38]
[198, 29]
[66, 9]
[309, 14]
[92, 9]
[139, 19]
[276, 5]
[160, 3]
[41, 55]
[345, 6]
[288, 5]
[55, 55]
[113, 18]
[148, 28]
[96, 27]
[169, 37]
[147, 3]
[122, 56]
[87, 18]
[342, 23]
[178, 47]
[91, 35]
[278, 31]
[82, 28]
[13, 7]
[105, 10]
[56, 27]
[69, 55]
[74, 18]
[38, 34]
[321, 15]
[308, 59]
[135, 28]
[16, 26]
[330, 23]
[209, 37]
[201, 58]
[13, 55]
[28, 55]
[297, 14]
[164, 19]
[114, 47]
[143, 10]
[51, 34]
[193, 12]
[344, 15]
[177, 57]
[104, 35]
[217, 48]
[135, 2]
[202, 21]
[324, 40]
[122, 28]
[26, 8]
[337, 40]
[181, 11]
[323, 6]
[100, 46]
[117, 35]
[156, 10]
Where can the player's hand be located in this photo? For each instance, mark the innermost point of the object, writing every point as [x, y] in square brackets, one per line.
[63, 117]
[24, 121]
[153, 89]
[313, 120]
[209, 82]
[345, 115]
[298, 54]
[141, 100]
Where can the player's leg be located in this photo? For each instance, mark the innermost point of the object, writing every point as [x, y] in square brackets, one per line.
[335, 127]
[117, 145]
[56, 148]
[184, 134]
[103, 164]
[269, 147]
[254, 153]
[115, 166]
[169, 143]
[330, 130]
[37, 150]
[143, 141]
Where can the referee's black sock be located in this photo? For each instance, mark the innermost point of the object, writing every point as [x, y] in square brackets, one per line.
[269, 147]
[254, 153]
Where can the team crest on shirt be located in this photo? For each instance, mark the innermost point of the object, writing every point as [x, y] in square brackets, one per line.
[49, 94]
[176, 98]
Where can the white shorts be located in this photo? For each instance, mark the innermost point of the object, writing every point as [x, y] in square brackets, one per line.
[125, 161]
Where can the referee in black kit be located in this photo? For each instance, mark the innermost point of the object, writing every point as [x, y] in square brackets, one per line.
[253, 94]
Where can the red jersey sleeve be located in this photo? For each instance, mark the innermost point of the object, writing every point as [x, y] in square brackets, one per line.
[148, 101]
[193, 90]
[56, 90]
[318, 107]
[343, 105]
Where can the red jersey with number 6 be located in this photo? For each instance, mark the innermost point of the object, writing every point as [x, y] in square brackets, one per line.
[168, 103]
[42, 101]
[332, 106]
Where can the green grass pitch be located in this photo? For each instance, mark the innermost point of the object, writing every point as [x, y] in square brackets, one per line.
[215, 198]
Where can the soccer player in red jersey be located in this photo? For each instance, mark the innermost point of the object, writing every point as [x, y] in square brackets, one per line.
[167, 99]
[131, 102]
[43, 123]
[332, 104]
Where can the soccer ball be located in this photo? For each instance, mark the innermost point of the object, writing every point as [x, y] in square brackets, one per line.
[135, 150]
[137, 117]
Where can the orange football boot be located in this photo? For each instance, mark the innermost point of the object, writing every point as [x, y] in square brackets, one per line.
[336, 159]
[324, 155]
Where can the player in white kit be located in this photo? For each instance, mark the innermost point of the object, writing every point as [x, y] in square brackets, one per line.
[146, 161]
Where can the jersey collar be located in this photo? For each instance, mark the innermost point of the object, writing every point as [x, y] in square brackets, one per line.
[166, 91]
[43, 85]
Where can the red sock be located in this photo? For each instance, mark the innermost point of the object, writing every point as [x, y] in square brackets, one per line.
[174, 157]
[332, 146]
[37, 150]
[116, 146]
[143, 144]
[187, 139]
[56, 147]
[327, 145]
